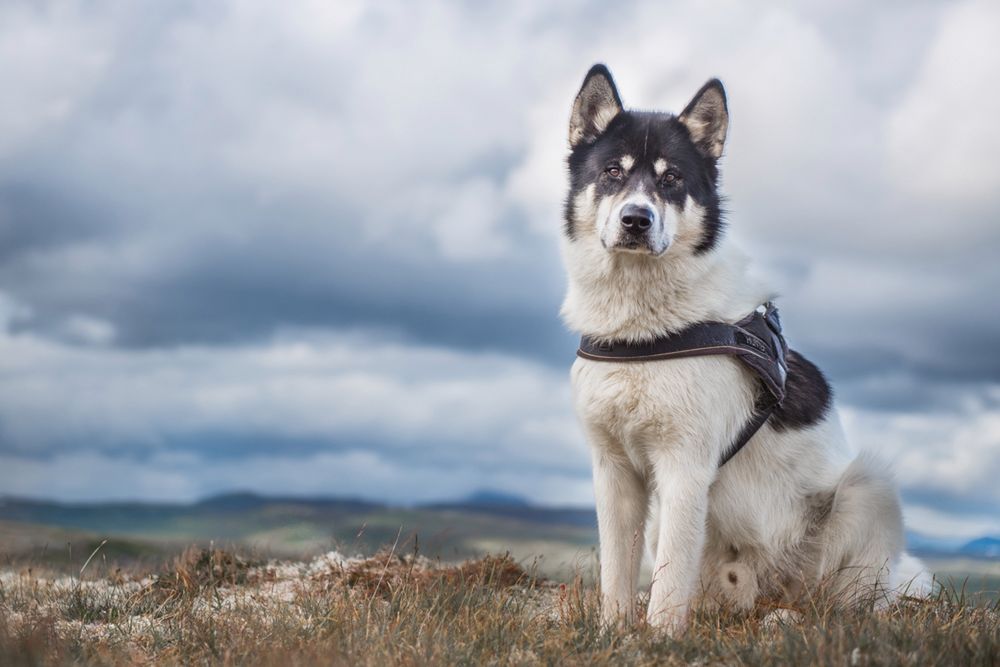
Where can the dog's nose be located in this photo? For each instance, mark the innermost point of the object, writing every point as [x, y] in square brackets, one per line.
[637, 218]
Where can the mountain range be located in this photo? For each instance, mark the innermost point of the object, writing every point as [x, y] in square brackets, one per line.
[486, 520]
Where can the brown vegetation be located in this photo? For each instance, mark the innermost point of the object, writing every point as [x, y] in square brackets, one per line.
[215, 607]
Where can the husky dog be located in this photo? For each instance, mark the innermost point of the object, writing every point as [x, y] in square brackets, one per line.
[646, 253]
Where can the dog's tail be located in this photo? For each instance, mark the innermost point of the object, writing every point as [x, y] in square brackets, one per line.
[863, 540]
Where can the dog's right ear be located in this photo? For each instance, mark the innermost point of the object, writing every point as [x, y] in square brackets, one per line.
[596, 105]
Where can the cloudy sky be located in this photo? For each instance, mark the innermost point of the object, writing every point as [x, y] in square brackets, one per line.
[312, 247]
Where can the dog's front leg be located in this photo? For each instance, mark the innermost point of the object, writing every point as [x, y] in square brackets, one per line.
[621, 501]
[682, 496]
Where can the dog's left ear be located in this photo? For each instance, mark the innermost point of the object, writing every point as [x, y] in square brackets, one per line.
[707, 119]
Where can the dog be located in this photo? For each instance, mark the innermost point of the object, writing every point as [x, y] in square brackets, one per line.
[796, 510]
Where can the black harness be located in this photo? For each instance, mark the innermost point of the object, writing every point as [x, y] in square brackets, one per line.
[755, 340]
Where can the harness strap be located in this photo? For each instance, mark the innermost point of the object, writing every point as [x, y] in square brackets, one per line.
[755, 340]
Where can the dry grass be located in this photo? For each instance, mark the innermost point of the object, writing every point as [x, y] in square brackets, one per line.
[216, 607]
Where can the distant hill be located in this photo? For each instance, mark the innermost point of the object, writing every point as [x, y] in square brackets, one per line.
[923, 545]
[984, 547]
[492, 498]
[515, 507]
[245, 500]
[486, 520]
[297, 527]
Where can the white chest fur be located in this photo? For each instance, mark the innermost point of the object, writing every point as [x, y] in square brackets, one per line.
[655, 405]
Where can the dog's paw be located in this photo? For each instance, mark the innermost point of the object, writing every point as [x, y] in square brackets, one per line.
[669, 622]
[615, 614]
[738, 584]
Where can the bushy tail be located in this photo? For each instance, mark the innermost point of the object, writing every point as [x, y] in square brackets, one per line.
[863, 541]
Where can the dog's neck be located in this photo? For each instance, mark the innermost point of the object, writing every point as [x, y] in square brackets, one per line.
[618, 296]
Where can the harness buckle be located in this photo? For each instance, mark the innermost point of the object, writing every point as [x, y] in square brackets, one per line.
[772, 318]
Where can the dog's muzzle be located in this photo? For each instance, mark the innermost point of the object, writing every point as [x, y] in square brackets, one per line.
[637, 223]
[636, 219]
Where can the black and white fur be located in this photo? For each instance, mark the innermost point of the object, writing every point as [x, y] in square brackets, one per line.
[646, 254]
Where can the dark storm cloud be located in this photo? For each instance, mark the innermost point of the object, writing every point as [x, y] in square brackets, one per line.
[33, 221]
[294, 267]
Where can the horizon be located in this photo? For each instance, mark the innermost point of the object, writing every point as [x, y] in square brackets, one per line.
[471, 497]
[917, 541]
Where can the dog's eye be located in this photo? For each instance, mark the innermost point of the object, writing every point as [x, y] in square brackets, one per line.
[670, 178]
[614, 171]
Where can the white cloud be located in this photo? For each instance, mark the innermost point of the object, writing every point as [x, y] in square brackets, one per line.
[958, 527]
[947, 462]
[466, 221]
[89, 330]
[51, 58]
[341, 392]
[942, 138]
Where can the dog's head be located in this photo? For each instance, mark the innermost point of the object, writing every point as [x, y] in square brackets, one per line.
[644, 182]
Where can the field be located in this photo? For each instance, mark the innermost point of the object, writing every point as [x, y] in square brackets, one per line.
[243, 580]
[210, 606]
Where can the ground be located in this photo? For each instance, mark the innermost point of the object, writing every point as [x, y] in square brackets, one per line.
[211, 606]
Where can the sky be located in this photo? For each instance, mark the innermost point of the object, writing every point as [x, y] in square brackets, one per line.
[312, 248]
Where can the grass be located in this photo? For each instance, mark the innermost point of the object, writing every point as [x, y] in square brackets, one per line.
[212, 606]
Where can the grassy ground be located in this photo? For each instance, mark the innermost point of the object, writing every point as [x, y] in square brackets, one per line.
[216, 607]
